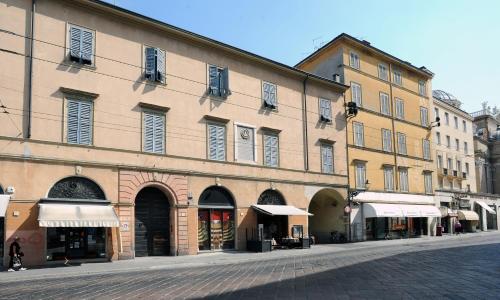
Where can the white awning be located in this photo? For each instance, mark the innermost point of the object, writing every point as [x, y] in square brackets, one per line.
[4, 201]
[382, 210]
[468, 215]
[486, 206]
[77, 215]
[401, 198]
[280, 210]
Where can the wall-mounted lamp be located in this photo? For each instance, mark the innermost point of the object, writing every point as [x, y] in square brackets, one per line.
[436, 123]
[351, 109]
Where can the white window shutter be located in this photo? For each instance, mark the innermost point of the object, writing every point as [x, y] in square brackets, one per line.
[159, 133]
[85, 123]
[274, 151]
[73, 120]
[150, 63]
[160, 66]
[267, 150]
[75, 43]
[221, 143]
[87, 46]
[212, 142]
[79, 120]
[148, 132]
[224, 75]
[272, 94]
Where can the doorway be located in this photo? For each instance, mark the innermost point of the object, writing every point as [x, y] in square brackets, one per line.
[152, 223]
[76, 243]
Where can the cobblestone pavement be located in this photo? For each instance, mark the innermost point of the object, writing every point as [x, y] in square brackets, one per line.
[455, 268]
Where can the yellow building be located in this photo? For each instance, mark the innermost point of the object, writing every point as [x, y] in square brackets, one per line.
[390, 164]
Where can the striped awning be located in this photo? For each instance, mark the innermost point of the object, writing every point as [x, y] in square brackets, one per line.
[77, 215]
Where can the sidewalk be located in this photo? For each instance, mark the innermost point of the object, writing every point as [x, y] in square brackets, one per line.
[222, 258]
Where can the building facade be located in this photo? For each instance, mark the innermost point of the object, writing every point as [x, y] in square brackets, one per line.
[390, 160]
[123, 136]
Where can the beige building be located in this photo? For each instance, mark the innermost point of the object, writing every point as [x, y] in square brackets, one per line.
[123, 136]
[390, 161]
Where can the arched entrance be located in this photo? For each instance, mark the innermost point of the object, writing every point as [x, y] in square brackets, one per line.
[152, 223]
[327, 207]
[274, 226]
[216, 230]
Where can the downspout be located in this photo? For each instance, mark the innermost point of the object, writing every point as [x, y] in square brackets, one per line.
[304, 112]
[349, 199]
[30, 75]
[394, 145]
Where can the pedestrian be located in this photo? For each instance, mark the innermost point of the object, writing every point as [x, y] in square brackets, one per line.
[16, 255]
[458, 227]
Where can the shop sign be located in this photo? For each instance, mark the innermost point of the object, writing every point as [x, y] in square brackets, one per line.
[124, 226]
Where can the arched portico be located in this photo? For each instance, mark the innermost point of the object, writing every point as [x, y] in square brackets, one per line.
[327, 207]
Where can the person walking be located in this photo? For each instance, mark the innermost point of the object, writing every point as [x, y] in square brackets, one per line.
[458, 227]
[15, 256]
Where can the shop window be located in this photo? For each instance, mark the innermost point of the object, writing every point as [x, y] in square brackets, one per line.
[271, 197]
[76, 188]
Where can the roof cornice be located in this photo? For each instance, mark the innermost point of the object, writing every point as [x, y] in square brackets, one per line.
[457, 110]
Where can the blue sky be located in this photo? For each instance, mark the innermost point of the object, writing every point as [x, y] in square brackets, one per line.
[458, 40]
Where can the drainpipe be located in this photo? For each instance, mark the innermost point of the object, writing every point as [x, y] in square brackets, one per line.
[394, 145]
[304, 112]
[30, 72]
[349, 202]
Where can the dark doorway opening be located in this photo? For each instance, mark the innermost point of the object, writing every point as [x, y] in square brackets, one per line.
[152, 223]
[275, 227]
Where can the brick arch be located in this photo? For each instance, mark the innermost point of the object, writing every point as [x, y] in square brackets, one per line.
[131, 182]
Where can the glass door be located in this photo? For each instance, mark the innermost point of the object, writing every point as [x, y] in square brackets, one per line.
[216, 230]
[76, 243]
[227, 229]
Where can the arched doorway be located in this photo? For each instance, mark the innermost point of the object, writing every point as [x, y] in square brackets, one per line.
[152, 223]
[327, 207]
[216, 229]
[274, 226]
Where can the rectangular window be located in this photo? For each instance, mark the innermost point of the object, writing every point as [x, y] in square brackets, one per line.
[400, 109]
[439, 161]
[459, 167]
[327, 158]
[382, 72]
[354, 60]
[385, 106]
[424, 117]
[155, 64]
[456, 122]
[216, 142]
[386, 140]
[438, 138]
[271, 150]
[450, 164]
[389, 178]
[426, 145]
[466, 148]
[401, 143]
[154, 132]
[360, 176]
[325, 110]
[269, 95]
[436, 112]
[218, 81]
[245, 143]
[447, 118]
[467, 168]
[356, 95]
[428, 182]
[403, 180]
[457, 144]
[422, 89]
[81, 45]
[359, 136]
[397, 77]
[448, 142]
[79, 122]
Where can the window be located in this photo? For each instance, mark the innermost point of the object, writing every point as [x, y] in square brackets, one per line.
[154, 132]
[400, 109]
[81, 45]
[245, 143]
[360, 176]
[218, 81]
[464, 125]
[459, 167]
[269, 95]
[428, 182]
[325, 110]
[354, 60]
[327, 158]
[389, 178]
[426, 145]
[155, 64]
[436, 112]
[356, 96]
[398, 78]
[422, 90]
[450, 164]
[271, 150]
[79, 122]
[448, 142]
[424, 118]
[403, 180]
[386, 140]
[401, 143]
[467, 168]
[447, 118]
[457, 144]
[385, 107]
[456, 122]
[216, 142]
[438, 138]
[466, 148]
[359, 136]
[439, 161]
[382, 72]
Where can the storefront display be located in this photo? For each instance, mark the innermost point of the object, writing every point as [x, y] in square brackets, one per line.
[75, 243]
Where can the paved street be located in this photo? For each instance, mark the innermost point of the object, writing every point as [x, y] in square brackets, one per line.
[465, 267]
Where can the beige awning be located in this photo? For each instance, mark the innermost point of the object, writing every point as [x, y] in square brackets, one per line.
[4, 201]
[468, 215]
[384, 210]
[280, 210]
[486, 206]
[77, 215]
